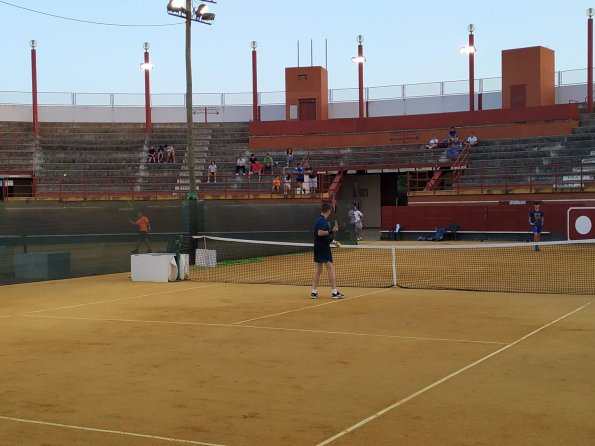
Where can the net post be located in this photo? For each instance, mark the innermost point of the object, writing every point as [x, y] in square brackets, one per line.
[394, 264]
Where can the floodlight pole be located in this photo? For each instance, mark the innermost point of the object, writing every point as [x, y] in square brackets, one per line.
[360, 73]
[189, 118]
[590, 61]
[471, 69]
[254, 84]
[148, 124]
[33, 44]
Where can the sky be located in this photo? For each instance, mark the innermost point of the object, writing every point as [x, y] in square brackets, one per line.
[404, 42]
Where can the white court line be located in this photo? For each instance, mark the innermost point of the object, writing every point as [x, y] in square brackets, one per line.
[301, 330]
[108, 431]
[446, 378]
[312, 306]
[105, 301]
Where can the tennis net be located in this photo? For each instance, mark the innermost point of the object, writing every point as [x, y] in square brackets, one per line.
[558, 267]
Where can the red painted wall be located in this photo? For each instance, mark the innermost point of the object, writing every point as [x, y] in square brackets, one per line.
[488, 124]
[475, 217]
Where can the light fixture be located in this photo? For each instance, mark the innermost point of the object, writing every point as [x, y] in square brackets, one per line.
[202, 14]
[467, 49]
[33, 43]
[253, 44]
[146, 46]
[175, 5]
[471, 28]
[590, 12]
[360, 38]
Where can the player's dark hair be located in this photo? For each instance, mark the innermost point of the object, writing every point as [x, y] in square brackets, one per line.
[325, 207]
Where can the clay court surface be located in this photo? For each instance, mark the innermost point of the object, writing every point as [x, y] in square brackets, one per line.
[106, 361]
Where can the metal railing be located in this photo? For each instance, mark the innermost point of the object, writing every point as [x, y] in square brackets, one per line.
[89, 187]
[383, 92]
[530, 178]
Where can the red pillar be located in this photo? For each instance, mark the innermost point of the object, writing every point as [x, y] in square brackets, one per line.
[34, 90]
[148, 126]
[471, 72]
[590, 66]
[360, 70]
[254, 85]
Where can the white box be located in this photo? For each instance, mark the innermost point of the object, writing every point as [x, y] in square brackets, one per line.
[156, 267]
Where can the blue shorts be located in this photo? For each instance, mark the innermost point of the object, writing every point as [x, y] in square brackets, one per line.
[536, 229]
[323, 256]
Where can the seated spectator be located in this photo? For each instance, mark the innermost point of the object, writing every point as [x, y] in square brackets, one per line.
[433, 142]
[289, 157]
[160, 154]
[212, 172]
[471, 141]
[453, 139]
[252, 159]
[171, 154]
[255, 169]
[241, 165]
[152, 155]
[287, 185]
[268, 164]
[276, 185]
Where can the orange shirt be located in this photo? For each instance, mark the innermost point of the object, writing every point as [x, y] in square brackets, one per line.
[143, 224]
[276, 182]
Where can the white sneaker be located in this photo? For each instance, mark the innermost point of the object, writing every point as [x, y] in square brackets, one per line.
[337, 295]
[313, 295]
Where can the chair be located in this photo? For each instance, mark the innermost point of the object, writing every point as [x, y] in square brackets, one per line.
[452, 230]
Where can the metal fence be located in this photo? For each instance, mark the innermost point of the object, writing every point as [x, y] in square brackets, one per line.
[383, 92]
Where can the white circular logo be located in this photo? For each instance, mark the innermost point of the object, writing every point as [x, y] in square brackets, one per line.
[583, 225]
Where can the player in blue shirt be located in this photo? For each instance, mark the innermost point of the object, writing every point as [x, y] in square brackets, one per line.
[536, 221]
[323, 236]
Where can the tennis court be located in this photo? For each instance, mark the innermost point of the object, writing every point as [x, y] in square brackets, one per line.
[105, 361]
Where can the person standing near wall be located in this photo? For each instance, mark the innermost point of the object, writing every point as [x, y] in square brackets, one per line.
[143, 232]
[536, 220]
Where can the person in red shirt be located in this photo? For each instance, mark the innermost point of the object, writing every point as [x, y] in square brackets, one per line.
[255, 169]
[143, 231]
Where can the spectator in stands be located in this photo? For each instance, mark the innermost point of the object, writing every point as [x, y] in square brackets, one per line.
[310, 173]
[433, 142]
[453, 139]
[171, 154]
[299, 178]
[160, 154]
[313, 182]
[241, 165]
[471, 141]
[255, 169]
[212, 172]
[287, 184]
[252, 159]
[276, 185]
[152, 155]
[268, 164]
[143, 232]
[289, 157]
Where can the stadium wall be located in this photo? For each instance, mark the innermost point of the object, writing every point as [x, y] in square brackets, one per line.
[96, 237]
[352, 132]
[502, 220]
